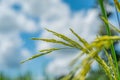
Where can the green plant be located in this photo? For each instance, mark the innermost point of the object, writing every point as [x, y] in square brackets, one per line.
[26, 76]
[109, 34]
[101, 43]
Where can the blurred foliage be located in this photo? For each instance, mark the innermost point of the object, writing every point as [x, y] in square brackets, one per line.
[27, 76]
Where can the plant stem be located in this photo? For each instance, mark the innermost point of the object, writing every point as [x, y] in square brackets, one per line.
[109, 33]
[118, 19]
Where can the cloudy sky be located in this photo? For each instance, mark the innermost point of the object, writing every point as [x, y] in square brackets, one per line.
[20, 20]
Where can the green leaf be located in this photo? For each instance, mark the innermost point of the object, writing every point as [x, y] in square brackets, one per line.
[112, 26]
[79, 38]
[72, 42]
[117, 4]
[35, 56]
[53, 41]
[51, 49]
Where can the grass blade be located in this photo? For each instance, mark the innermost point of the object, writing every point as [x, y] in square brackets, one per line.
[117, 4]
[72, 42]
[35, 56]
[109, 34]
[79, 38]
[112, 26]
[53, 41]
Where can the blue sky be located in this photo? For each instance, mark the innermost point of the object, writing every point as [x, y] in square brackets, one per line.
[77, 5]
[37, 66]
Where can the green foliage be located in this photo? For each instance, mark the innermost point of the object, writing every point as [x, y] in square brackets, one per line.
[26, 76]
[112, 26]
[117, 4]
[109, 34]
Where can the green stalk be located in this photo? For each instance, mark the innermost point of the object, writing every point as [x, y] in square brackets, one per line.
[109, 33]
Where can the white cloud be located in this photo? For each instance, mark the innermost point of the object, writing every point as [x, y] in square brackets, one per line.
[12, 24]
[59, 67]
[9, 20]
[33, 7]
[25, 53]
[9, 49]
[41, 7]
[27, 25]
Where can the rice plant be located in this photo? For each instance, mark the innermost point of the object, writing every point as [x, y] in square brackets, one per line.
[92, 50]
